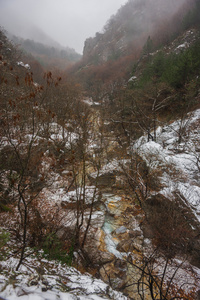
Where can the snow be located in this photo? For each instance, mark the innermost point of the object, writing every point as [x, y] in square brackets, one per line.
[65, 284]
[26, 66]
[34, 294]
[185, 277]
[111, 167]
[6, 142]
[91, 102]
[133, 78]
[182, 46]
[91, 194]
[179, 161]
[121, 229]
[61, 134]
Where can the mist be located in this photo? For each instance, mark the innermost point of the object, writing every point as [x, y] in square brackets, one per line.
[67, 22]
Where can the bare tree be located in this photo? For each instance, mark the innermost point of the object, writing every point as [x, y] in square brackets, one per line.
[159, 278]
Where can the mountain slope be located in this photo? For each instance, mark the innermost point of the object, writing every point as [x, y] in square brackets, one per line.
[129, 29]
[139, 28]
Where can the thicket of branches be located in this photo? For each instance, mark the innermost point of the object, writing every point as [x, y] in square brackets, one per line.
[44, 128]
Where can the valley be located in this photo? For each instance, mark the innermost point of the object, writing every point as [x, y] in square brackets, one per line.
[100, 164]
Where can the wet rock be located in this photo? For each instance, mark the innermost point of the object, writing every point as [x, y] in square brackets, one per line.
[133, 276]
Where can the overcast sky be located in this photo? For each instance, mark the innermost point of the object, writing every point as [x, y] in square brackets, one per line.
[69, 22]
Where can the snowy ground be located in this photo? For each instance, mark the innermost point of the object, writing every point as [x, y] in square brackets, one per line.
[180, 161]
[40, 279]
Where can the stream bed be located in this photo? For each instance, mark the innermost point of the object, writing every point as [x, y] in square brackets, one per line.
[114, 225]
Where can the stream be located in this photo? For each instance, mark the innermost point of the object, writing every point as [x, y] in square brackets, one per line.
[113, 223]
[111, 243]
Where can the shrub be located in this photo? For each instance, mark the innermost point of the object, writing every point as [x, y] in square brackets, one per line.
[4, 238]
[55, 249]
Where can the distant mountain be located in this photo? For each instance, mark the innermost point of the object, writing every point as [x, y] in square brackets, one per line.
[49, 54]
[32, 39]
[22, 27]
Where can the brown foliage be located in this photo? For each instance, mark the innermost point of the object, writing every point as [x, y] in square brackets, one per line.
[167, 219]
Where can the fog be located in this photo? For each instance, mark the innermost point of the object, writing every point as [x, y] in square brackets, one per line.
[69, 22]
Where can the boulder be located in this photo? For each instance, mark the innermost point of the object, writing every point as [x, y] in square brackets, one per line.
[121, 229]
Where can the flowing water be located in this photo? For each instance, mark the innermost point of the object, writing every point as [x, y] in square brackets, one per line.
[112, 223]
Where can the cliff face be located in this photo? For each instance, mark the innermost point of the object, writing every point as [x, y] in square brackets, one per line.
[127, 31]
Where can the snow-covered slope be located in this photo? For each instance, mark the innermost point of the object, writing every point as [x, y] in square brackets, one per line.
[41, 279]
[177, 152]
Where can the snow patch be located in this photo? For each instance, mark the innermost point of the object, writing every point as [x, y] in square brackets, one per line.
[26, 66]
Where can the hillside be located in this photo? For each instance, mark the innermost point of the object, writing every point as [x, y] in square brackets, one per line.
[128, 30]
[138, 28]
[99, 170]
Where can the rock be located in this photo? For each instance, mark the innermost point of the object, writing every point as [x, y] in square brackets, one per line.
[106, 257]
[147, 243]
[124, 236]
[33, 282]
[99, 258]
[129, 245]
[120, 264]
[135, 233]
[106, 272]
[45, 282]
[125, 246]
[198, 295]
[121, 229]
[112, 275]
